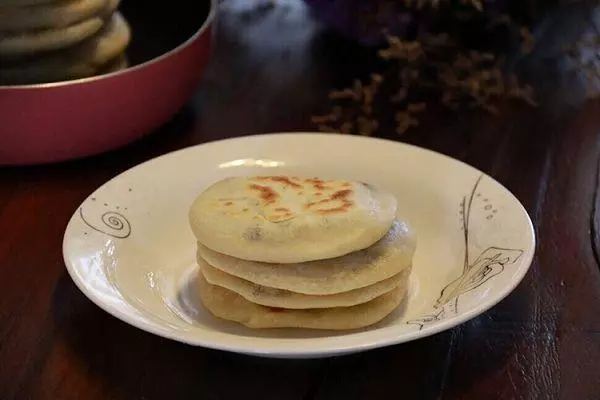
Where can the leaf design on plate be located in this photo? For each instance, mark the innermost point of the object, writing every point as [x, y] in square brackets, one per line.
[490, 263]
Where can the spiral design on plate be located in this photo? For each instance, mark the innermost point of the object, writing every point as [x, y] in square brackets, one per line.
[111, 223]
[114, 220]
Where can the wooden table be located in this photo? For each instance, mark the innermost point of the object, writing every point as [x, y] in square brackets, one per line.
[271, 71]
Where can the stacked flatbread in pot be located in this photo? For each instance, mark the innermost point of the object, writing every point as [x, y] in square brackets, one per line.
[45, 41]
[280, 251]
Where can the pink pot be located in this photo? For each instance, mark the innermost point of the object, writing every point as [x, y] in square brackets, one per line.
[73, 119]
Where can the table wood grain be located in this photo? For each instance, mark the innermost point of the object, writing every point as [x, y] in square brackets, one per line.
[272, 69]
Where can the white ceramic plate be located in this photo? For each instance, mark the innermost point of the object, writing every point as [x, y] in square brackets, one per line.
[130, 250]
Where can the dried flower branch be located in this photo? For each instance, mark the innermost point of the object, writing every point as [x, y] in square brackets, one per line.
[355, 119]
[440, 63]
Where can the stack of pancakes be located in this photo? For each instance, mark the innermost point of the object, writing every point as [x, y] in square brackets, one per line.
[282, 252]
[55, 40]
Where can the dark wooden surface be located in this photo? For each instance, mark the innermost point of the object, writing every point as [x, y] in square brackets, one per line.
[272, 70]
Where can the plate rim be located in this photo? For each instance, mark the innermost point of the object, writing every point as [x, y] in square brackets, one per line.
[328, 345]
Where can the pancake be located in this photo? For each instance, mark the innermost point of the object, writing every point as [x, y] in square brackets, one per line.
[271, 297]
[107, 45]
[117, 64]
[230, 306]
[36, 41]
[282, 219]
[386, 258]
[83, 60]
[48, 16]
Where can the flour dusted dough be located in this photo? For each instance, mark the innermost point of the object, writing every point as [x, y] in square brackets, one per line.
[230, 306]
[117, 64]
[283, 219]
[388, 257]
[20, 44]
[272, 297]
[80, 61]
[53, 15]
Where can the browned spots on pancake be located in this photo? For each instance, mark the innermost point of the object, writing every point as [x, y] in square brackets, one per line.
[282, 209]
[318, 194]
[284, 180]
[347, 184]
[317, 184]
[245, 210]
[312, 203]
[281, 217]
[314, 181]
[229, 203]
[341, 209]
[341, 197]
[266, 193]
[342, 194]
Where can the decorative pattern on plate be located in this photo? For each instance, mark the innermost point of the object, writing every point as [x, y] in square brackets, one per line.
[490, 263]
[112, 223]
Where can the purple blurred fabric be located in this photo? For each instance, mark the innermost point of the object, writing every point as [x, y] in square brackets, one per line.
[344, 17]
[347, 18]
